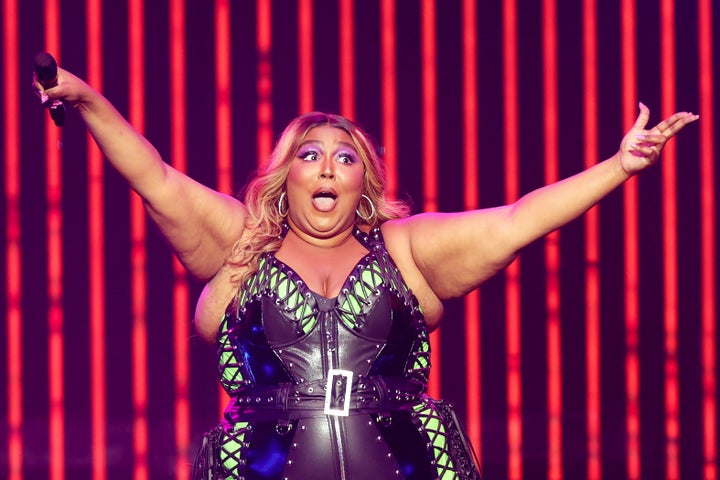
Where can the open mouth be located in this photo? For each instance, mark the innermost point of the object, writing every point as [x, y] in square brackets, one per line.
[324, 199]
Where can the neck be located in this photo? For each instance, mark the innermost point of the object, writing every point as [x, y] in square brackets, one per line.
[337, 240]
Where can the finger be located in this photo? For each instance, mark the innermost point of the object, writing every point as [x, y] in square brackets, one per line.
[643, 116]
[650, 140]
[673, 124]
[678, 122]
[40, 92]
[639, 154]
[644, 150]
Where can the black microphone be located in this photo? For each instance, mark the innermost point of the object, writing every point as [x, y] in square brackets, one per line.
[46, 72]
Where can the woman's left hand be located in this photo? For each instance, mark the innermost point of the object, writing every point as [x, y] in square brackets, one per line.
[641, 148]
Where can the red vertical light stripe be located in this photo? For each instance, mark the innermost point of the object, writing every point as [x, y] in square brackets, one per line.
[138, 252]
[471, 202]
[56, 365]
[181, 301]
[592, 246]
[97, 257]
[670, 260]
[429, 107]
[181, 307]
[429, 159]
[305, 55]
[554, 356]
[13, 236]
[223, 117]
[470, 106]
[631, 250]
[512, 276]
[264, 80]
[707, 239]
[223, 102]
[347, 59]
[138, 260]
[389, 93]
[552, 243]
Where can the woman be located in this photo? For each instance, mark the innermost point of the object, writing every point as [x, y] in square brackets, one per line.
[321, 292]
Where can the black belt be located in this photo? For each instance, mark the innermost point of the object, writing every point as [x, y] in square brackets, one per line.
[330, 396]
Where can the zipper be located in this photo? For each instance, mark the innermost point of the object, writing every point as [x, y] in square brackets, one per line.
[330, 360]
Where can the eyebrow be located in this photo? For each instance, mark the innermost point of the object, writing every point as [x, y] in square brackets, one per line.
[317, 142]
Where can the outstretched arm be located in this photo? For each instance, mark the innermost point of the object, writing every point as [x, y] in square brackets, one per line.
[456, 252]
[199, 223]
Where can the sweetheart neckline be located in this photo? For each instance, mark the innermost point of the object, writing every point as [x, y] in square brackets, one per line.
[358, 234]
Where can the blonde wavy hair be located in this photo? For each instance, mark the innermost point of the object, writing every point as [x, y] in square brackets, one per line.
[263, 226]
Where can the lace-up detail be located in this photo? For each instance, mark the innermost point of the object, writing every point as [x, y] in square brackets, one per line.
[374, 274]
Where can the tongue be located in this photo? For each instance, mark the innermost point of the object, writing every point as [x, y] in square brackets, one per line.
[323, 203]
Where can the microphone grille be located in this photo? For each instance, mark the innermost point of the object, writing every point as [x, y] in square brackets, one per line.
[45, 66]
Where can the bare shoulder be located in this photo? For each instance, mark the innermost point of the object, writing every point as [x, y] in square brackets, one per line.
[396, 234]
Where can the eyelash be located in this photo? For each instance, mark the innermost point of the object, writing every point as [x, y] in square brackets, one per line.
[304, 155]
[345, 157]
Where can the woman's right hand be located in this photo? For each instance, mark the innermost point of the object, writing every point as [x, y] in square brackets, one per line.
[70, 89]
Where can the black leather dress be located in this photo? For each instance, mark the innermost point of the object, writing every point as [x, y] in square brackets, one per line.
[330, 388]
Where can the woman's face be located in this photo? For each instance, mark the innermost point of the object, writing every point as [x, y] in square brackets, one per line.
[324, 183]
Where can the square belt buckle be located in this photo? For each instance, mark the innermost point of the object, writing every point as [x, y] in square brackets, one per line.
[337, 392]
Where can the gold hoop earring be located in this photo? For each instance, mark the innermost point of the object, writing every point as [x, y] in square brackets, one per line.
[372, 209]
[283, 197]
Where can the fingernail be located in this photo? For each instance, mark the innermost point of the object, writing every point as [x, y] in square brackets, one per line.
[641, 137]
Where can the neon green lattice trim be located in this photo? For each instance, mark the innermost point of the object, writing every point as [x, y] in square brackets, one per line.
[231, 373]
[361, 290]
[422, 361]
[231, 449]
[293, 298]
[438, 438]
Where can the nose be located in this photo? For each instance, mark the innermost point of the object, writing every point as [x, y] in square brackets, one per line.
[327, 168]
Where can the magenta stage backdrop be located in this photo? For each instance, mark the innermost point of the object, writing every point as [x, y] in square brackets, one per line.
[593, 356]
